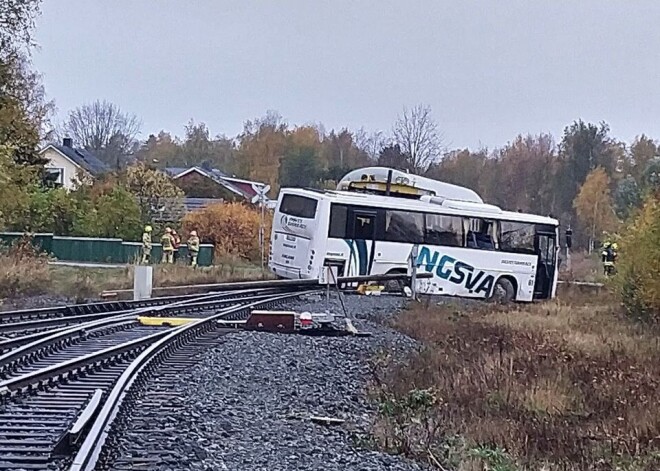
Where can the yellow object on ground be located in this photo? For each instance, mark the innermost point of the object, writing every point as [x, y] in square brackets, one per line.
[164, 321]
[370, 289]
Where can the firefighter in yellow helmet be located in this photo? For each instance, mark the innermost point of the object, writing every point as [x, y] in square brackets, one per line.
[146, 245]
[193, 248]
[608, 257]
[167, 241]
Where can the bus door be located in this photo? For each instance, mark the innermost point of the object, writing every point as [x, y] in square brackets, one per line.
[362, 226]
[545, 245]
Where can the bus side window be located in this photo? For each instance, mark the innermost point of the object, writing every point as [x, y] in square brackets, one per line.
[404, 226]
[338, 219]
[444, 230]
[481, 234]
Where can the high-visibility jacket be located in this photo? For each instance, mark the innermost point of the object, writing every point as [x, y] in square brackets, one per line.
[146, 240]
[167, 242]
[193, 244]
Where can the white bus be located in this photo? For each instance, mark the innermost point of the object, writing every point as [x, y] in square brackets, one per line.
[472, 249]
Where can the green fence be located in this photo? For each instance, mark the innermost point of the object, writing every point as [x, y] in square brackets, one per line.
[96, 250]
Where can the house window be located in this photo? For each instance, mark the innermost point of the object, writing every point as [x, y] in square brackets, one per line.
[56, 176]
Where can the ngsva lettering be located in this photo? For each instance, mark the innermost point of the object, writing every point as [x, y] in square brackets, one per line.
[459, 273]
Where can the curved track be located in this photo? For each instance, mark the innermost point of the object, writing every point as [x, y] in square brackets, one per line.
[53, 387]
[20, 332]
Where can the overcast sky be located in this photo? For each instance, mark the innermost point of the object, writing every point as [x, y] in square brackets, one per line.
[489, 69]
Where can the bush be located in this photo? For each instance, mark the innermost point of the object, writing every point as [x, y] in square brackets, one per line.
[232, 228]
[112, 214]
[638, 281]
[23, 270]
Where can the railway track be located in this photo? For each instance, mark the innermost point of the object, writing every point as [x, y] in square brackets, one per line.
[58, 387]
[67, 388]
[46, 348]
[19, 328]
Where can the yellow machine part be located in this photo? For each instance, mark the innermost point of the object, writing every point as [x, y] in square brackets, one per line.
[165, 321]
[368, 289]
[394, 188]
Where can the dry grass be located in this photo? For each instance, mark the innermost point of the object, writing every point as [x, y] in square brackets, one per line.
[558, 385]
[87, 283]
[22, 271]
[584, 267]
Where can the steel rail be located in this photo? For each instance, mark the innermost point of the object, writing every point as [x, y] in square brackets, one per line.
[61, 371]
[22, 354]
[90, 451]
[307, 283]
[98, 308]
[76, 319]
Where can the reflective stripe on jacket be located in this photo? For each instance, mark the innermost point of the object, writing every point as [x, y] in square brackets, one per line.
[166, 241]
[193, 244]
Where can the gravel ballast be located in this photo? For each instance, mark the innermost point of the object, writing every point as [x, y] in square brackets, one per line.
[248, 402]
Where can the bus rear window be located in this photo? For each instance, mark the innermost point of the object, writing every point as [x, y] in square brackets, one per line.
[298, 206]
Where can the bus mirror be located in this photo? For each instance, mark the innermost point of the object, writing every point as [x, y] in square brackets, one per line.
[569, 238]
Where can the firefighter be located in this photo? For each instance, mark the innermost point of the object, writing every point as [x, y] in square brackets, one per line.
[146, 245]
[167, 241]
[607, 257]
[193, 248]
[176, 242]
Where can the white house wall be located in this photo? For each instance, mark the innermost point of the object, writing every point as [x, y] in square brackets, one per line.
[57, 160]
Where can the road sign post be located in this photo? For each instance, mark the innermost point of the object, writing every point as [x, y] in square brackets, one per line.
[261, 198]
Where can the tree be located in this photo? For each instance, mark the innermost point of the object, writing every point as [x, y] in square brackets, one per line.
[392, 156]
[24, 110]
[461, 167]
[651, 175]
[584, 147]
[594, 205]
[154, 190]
[16, 24]
[526, 166]
[103, 128]
[300, 168]
[627, 197]
[638, 280]
[16, 183]
[642, 151]
[261, 147]
[417, 134]
[370, 143]
[160, 151]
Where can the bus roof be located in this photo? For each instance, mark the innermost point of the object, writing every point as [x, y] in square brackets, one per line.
[448, 207]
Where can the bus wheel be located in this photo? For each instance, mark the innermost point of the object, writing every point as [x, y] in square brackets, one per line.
[503, 291]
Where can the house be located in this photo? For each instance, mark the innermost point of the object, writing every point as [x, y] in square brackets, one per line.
[213, 184]
[69, 165]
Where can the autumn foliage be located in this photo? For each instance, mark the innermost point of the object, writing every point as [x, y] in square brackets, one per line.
[638, 280]
[593, 204]
[232, 228]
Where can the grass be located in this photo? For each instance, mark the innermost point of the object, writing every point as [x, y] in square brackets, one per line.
[22, 271]
[30, 274]
[562, 385]
[584, 267]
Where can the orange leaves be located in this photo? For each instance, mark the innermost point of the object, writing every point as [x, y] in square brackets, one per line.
[233, 228]
[594, 203]
[639, 267]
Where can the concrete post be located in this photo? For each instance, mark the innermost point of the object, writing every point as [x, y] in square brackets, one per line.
[142, 282]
